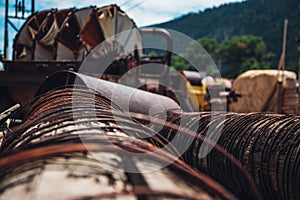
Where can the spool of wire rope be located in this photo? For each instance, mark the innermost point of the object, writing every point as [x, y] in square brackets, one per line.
[267, 145]
[44, 156]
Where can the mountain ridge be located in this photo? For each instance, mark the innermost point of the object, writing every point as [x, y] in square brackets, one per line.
[264, 18]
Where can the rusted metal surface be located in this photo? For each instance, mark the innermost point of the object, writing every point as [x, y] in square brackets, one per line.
[44, 157]
[25, 77]
[39, 67]
[290, 100]
[69, 171]
[22, 47]
[65, 115]
[54, 40]
[78, 103]
[267, 146]
[5, 120]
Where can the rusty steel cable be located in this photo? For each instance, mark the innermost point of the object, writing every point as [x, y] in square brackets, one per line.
[54, 125]
[170, 130]
[73, 105]
[267, 145]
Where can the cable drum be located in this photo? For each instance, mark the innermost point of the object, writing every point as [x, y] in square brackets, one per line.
[44, 157]
[267, 146]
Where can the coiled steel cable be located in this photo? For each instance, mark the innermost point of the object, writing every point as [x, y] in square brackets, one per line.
[54, 126]
[56, 110]
[266, 144]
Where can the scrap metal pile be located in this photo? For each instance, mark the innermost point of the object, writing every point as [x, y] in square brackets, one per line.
[74, 143]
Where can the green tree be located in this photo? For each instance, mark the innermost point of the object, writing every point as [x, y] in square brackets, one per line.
[152, 54]
[252, 63]
[178, 63]
[210, 45]
[242, 53]
[202, 53]
[264, 18]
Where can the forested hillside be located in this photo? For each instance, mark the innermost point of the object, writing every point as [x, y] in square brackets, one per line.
[263, 18]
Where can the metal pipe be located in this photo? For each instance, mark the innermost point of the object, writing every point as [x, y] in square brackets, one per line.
[32, 7]
[162, 32]
[23, 8]
[125, 97]
[6, 30]
[169, 50]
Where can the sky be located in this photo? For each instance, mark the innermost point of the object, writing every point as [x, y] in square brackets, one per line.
[143, 12]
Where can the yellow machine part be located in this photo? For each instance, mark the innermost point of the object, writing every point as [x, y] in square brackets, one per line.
[197, 95]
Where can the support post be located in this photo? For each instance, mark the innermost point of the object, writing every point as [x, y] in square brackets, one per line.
[6, 30]
[281, 68]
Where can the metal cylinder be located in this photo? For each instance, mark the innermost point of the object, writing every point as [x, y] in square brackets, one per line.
[65, 150]
[127, 98]
[267, 146]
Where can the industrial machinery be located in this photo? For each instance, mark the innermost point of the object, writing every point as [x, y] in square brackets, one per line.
[71, 139]
[60, 133]
[53, 40]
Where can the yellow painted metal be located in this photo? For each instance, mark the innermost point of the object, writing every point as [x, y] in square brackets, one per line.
[196, 94]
